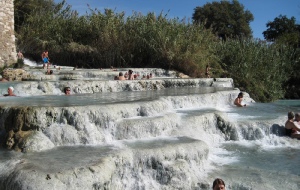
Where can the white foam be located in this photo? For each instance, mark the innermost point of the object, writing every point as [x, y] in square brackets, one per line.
[30, 63]
[269, 142]
[220, 157]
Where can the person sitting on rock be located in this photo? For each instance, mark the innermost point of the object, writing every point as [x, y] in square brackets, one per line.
[10, 91]
[238, 100]
[49, 72]
[3, 79]
[126, 75]
[121, 77]
[297, 118]
[130, 76]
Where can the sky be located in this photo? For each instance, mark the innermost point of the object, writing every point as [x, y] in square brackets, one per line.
[262, 10]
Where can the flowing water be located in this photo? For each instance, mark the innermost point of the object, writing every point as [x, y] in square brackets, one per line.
[173, 138]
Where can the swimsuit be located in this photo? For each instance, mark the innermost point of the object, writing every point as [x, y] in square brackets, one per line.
[289, 132]
[45, 60]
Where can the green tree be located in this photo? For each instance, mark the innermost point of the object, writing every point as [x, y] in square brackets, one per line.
[227, 19]
[43, 24]
[257, 67]
[283, 30]
[25, 9]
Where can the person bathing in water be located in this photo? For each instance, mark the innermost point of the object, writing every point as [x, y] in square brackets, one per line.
[10, 91]
[67, 91]
[291, 128]
[239, 99]
[218, 184]
[297, 119]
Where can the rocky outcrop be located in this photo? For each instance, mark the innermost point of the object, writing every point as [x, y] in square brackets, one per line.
[174, 163]
[15, 74]
[7, 34]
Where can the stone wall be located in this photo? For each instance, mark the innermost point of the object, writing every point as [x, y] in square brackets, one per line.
[7, 33]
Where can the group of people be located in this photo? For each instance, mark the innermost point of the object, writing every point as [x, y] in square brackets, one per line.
[292, 125]
[131, 76]
[10, 91]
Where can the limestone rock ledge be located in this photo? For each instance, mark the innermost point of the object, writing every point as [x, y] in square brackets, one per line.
[176, 163]
[31, 128]
[97, 86]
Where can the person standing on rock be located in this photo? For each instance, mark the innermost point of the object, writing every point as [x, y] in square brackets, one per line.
[239, 99]
[20, 55]
[45, 58]
[207, 71]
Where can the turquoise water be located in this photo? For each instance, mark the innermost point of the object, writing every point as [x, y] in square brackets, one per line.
[257, 111]
[253, 166]
[268, 163]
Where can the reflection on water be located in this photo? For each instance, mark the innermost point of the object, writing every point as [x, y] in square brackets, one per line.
[103, 98]
[291, 103]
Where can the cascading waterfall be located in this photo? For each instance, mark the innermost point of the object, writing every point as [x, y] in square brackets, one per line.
[162, 133]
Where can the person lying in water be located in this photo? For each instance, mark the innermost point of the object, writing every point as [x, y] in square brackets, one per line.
[291, 129]
[239, 99]
[10, 91]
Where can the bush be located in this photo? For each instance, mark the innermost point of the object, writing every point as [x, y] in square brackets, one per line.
[257, 67]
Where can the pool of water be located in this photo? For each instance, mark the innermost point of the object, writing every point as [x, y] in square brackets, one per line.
[252, 166]
[103, 98]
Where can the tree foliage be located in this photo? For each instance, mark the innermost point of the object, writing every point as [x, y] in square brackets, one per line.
[42, 24]
[104, 38]
[100, 39]
[283, 30]
[227, 19]
[257, 67]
